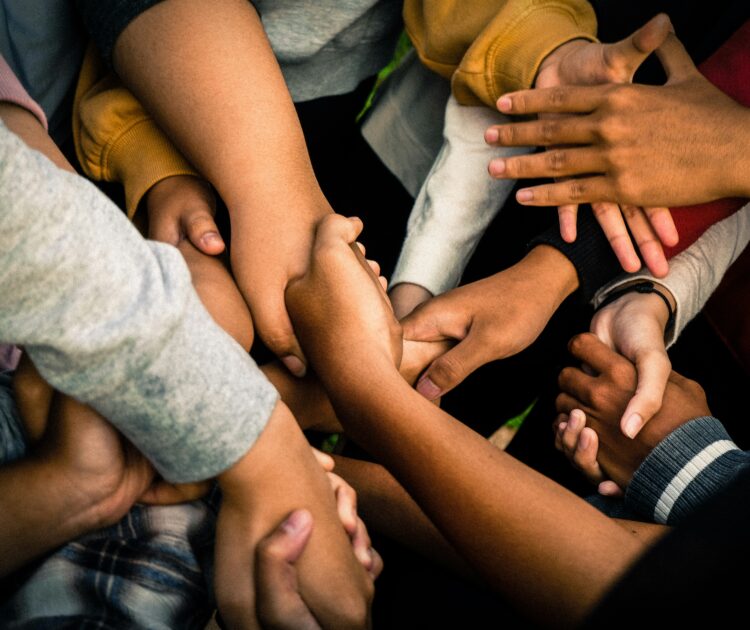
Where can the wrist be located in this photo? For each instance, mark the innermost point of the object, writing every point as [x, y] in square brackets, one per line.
[554, 272]
[548, 74]
[661, 300]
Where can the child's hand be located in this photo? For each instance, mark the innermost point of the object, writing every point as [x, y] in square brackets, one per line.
[183, 207]
[405, 297]
[603, 397]
[339, 306]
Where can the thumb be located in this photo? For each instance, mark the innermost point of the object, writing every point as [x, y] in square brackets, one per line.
[275, 329]
[626, 56]
[200, 228]
[653, 368]
[452, 368]
[675, 60]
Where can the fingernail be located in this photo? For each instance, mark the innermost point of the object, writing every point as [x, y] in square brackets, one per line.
[212, 237]
[584, 440]
[632, 425]
[294, 365]
[491, 135]
[296, 522]
[524, 195]
[574, 422]
[427, 388]
[578, 415]
[498, 167]
[504, 104]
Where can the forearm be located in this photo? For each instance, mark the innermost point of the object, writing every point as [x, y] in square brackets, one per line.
[42, 510]
[485, 503]
[387, 508]
[208, 75]
[279, 475]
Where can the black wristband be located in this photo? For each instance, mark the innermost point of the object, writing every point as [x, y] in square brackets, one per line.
[644, 286]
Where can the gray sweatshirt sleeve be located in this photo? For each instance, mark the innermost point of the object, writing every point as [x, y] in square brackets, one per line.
[113, 320]
[686, 468]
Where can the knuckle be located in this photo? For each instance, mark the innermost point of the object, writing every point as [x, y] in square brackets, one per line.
[556, 160]
[558, 96]
[565, 376]
[577, 189]
[448, 368]
[550, 129]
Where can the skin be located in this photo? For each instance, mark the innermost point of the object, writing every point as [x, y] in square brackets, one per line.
[634, 144]
[478, 497]
[634, 326]
[181, 58]
[581, 62]
[492, 318]
[590, 436]
[277, 475]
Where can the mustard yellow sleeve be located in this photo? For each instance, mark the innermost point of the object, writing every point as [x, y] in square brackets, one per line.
[490, 47]
[115, 139]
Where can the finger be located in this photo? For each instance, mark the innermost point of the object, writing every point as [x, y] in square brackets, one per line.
[384, 283]
[610, 489]
[453, 367]
[559, 435]
[663, 223]
[164, 493]
[675, 59]
[361, 248]
[586, 453]
[568, 217]
[375, 266]
[376, 568]
[578, 190]
[561, 99]
[544, 132]
[587, 348]
[334, 228]
[561, 417]
[200, 228]
[565, 403]
[279, 602]
[549, 163]
[653, 368]
[576, 383]
[576, 423]
[611, 221]
[346, 503]
[324, 459]
[626, 56]
[164, 228]
[648, 242]
[362, 545]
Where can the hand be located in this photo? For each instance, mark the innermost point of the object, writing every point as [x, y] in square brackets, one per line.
[667, 145]
[633, 325]
[405, 297]
[582, 63]
[280, 604]
[183, 207]
[604, 396]
[492, 318]
[339, 303]
[346, 506]
[108, 473]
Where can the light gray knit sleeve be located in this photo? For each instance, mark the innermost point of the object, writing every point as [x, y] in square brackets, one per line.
[113, 320]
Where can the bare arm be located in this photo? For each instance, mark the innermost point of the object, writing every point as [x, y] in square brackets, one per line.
[208, 75]
[528, 537]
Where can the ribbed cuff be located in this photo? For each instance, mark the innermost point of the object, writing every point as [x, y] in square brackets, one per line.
[591, 255]
[512, 60]
[141, 157]
[688, 466]
[11, 91]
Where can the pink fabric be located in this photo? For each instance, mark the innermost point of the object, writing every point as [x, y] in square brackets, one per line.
[12, 91]
[9, 357]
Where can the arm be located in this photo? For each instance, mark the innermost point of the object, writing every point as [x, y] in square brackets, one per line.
[124, 370]
[478, 497]
[182, 59]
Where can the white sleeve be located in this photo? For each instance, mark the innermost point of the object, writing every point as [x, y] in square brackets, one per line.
[695, 272]
[456, 203]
